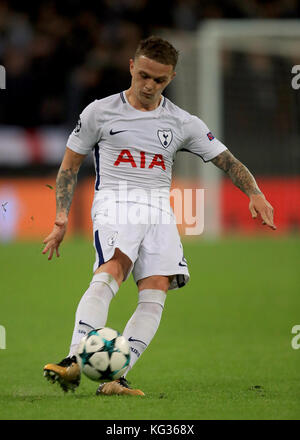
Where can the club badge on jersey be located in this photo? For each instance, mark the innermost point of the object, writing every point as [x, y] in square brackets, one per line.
[165, 137]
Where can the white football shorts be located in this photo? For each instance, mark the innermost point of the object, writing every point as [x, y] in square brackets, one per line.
[153, 247]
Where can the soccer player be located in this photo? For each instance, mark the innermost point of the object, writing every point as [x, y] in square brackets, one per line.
[135, 136]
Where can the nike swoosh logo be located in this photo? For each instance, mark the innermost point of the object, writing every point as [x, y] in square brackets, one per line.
[84, 323]
[182, 265]
[136, 340]
[116, 132]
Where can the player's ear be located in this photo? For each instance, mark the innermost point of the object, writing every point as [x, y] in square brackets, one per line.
[131, 65]
[172, 76]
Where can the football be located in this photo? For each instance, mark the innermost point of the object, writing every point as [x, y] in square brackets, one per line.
[103, 354]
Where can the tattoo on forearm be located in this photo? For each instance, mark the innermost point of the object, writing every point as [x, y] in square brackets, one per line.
[65, 185]
[238, 173]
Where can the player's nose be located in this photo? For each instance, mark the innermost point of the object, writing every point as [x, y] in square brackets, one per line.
[149, 85]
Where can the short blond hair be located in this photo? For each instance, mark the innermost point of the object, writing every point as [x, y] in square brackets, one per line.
[158, 50]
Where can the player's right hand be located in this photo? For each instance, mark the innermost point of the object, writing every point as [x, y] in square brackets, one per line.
[54, 239]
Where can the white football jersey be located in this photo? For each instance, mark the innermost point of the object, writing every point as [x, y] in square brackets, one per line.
[138, 147]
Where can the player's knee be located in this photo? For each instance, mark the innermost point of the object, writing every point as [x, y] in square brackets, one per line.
[157, 282]
[118, 266]
[122, 263]
[114, 268]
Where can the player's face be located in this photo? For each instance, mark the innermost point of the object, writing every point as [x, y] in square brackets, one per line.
[149, 79]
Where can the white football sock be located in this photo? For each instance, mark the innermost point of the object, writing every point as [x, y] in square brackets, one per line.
[144, 323]
[93, 307]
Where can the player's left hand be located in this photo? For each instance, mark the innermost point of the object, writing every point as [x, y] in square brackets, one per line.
[259, 205]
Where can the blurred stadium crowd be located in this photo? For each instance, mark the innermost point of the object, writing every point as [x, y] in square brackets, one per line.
[60, 56]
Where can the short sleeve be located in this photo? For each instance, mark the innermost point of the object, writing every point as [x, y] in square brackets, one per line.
[86, 134]
[199, 140]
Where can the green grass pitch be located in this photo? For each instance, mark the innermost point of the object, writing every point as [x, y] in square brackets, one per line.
[223, 349]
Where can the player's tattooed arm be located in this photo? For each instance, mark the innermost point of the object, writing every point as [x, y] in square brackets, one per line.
[66, 181]
[244, 180]
[238, 173]
[65, 185]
